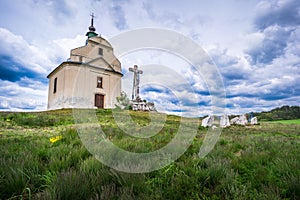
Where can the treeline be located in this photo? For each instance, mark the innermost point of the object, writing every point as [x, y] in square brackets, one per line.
[284, 112]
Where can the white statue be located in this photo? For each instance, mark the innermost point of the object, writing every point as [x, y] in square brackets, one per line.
[208, 121]
[241, 120]
[136, 82]
[253, 120]
[224, 121]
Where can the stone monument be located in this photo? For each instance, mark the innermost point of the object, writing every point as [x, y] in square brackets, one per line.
[254, 121]
[224, 121]
[136, 82]
[241, 120]
[136, 102]
[208, 121]
[211, 120]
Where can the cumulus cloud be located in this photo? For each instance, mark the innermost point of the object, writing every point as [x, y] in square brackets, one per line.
[19, 50]
[18, 58]
[279, 12]
[261, 85]
[257, 53]
[273, 56]
[171, 83]
[233, 68]
[26, 94]
[117, 13]
[276, 22]
[275, 40]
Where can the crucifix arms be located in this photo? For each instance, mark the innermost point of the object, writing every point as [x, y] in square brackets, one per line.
[135, 70]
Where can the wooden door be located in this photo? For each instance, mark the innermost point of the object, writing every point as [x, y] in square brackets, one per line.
[99, 100]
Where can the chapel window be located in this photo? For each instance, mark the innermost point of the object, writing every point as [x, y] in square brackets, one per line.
[99, 82]
[55, 85]
[100, 51]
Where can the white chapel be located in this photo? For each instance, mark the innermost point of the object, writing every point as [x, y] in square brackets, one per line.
[90, 78]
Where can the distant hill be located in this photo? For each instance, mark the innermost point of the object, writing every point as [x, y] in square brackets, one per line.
[282, 113]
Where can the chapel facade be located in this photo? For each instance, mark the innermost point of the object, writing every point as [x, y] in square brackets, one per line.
[90, 78]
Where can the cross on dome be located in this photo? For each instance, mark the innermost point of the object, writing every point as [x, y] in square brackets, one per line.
[92, 29]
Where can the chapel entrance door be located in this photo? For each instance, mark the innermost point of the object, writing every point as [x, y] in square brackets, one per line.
[99, 100]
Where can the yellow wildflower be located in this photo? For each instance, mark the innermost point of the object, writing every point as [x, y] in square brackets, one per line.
[55, 138]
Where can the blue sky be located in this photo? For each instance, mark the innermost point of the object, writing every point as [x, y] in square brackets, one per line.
[255, 45]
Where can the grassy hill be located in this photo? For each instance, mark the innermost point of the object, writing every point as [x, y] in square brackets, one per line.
[282, 113]
[255, 162]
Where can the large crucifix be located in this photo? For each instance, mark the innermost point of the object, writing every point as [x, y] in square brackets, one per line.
[136, 82]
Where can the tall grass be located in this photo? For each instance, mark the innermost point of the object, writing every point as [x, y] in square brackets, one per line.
[257, 162]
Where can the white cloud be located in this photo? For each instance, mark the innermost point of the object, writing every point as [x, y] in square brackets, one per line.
[22, 52]
[31, 96]
[37, 58]
[60, 48]
[39, 35]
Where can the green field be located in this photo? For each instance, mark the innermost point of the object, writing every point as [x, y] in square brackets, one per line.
[291, 121]
[253, 162]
